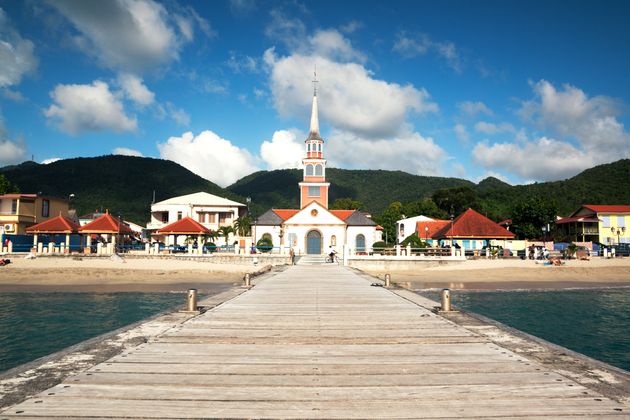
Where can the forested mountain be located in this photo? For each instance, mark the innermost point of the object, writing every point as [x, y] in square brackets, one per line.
[125, 186]
[122, 184]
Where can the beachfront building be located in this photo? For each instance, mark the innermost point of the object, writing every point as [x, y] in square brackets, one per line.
[428, 229]
[473, 231]
[407, 227]
[211, 211]
[605, 224]
[20, 211]
[313, 228]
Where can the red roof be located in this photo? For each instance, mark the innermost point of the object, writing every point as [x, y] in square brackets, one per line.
[285, 214]
[607, 208]
[59, 224]
[505, 222]
[434, 227]
[185, 226]
[106, 224]
[589, 218]
[342, 214]
[471, 224]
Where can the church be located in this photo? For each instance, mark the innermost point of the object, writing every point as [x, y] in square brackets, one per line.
[313, 228]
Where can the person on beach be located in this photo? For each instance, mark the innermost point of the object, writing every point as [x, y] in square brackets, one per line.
[292, 255]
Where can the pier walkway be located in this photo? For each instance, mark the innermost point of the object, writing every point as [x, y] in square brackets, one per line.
[318, 342]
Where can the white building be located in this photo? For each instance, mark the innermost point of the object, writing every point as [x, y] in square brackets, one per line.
[210, 210]
[313, 228]
[407, 227]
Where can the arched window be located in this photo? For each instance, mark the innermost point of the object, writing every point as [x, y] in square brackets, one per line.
[333, 240]
[308, 147]
[319, 147]
[319, 171]
[309, 170]
[360, 243]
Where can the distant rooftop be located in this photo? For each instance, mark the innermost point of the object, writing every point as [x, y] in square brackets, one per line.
[200, 199]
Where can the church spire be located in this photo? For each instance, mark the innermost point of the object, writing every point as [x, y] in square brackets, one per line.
[314, 131]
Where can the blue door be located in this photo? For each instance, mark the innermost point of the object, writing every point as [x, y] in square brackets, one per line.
[314, 243]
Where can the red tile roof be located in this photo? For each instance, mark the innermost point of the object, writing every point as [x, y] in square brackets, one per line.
[471, 224]
[285, 214]
[342, 214]
[607, 208]
[59, 224]
[434, 227]
[106, 224]
[185, 226]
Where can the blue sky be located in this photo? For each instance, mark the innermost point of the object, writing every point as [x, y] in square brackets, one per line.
[524, 91]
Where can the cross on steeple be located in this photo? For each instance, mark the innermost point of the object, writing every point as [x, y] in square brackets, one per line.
[315, 82]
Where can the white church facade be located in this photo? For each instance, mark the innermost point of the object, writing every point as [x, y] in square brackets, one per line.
[314, 228]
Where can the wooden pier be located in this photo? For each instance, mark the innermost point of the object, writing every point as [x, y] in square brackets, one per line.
[318, 342]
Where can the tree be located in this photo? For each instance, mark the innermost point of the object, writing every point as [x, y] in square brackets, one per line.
[6, 187]
[225, 232]
[424, 207]
[531, 215]
[243, 226]
[346, 204]
[456, 200]
[388, 220]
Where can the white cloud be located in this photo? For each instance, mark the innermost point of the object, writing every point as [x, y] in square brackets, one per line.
[50, 160]
[350, 98]
[214, 86]
[242, 63]
[289, 31]
[491, 128]
[258, 93]
[135, 89]
[331, 44]
[242, 7]
[13, 95]
[408, 152]
[16, 54]
[351, 27]
[283, 151]
[209, 156]
[124, 151]
[420, 44]
[471, 108]
[588, 133]
[83, 108]
[492, 174]
[461, 133]
[11, 152]
[129, 35]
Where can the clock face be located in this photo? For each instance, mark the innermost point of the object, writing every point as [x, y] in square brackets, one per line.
[314, 212]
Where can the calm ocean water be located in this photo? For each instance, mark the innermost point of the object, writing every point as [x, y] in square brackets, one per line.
[33, 325]
[594, 322]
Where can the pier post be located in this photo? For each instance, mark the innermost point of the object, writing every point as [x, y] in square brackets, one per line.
[247, 280]
[191, 301]
[446, 300]
[388, 280]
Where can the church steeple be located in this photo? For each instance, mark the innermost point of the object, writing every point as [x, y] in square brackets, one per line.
[314, 186]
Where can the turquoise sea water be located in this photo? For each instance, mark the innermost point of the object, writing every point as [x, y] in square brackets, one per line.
[33, 325]
[594, 322]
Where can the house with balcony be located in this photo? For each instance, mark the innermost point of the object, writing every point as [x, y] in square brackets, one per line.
[604, 224]
[20, 211]
[209, 210]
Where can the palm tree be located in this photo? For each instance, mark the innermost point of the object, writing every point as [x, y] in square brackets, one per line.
[243, 226]
[225, 232]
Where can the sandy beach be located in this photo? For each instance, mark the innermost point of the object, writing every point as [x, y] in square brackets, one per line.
[117, 275]
[514, 274]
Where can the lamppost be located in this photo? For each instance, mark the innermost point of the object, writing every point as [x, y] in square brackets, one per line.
[426, 234]
[619, 231]
[452, 217]
[545, 229]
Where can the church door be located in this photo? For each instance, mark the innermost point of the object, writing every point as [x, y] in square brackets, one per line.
[314, 242]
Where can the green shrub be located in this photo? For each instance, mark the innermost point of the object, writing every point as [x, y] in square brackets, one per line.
[264, 245]
[210, 246]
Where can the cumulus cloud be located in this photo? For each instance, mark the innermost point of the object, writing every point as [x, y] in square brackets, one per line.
[10, 151]
[135, 89]
[50, 160]
[413, 45]
[242, 7]
[242, 63]
[491, 128]
[350, 98]
[209, 156]
[283, 151]
[472, 109]
[461, 133]
[585, 132]
[408, 152]
[16, 54]
[330, 43]
[288, 30]
[84, 108]
[129, 35]
[13, 95]
[124, 151]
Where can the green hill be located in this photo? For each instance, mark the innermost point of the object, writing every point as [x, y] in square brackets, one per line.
[122, 184]
[125, 186]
